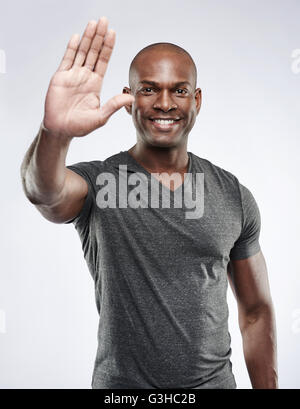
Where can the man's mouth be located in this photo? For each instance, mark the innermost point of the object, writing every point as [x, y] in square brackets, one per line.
[164, 123]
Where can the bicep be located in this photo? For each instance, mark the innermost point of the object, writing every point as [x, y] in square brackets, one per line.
[249, 280]
[71, 202]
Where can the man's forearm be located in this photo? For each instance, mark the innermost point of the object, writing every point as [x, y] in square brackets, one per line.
[43, 168]
[260, 348]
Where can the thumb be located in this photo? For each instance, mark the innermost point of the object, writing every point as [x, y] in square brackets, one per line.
[114, 104]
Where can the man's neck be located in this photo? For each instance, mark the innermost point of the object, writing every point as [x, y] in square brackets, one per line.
[157, 160]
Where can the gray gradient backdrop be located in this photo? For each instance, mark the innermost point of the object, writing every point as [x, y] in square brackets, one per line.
[248, 124]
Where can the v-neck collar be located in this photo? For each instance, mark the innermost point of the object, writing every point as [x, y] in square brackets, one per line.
[136, 166]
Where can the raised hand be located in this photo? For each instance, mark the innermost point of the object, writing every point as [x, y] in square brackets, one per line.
[72, 106]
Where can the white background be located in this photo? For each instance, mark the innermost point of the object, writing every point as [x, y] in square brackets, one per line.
[248, 124]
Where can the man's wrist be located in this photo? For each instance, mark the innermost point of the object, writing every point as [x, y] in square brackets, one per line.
[64, 139]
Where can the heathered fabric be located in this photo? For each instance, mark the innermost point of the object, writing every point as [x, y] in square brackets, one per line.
[161, 280]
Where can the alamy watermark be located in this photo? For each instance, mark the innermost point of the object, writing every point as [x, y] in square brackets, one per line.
[2, 62]
[296, 321]
[2, 322]
[295, 67]
[134, 191]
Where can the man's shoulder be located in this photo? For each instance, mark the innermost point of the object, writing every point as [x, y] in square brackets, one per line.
[116, 159]
[98, 164]
[216, 176]
[210, 169]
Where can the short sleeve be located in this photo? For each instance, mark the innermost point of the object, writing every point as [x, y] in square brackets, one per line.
[84, 170]
[247, 243]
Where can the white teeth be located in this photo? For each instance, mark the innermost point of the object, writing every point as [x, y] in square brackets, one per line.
[164, 121]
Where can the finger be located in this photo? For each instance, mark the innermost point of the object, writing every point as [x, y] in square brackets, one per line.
[68, 58]
[85, 43]
[97, 43]
[113, 105]
[105, 53]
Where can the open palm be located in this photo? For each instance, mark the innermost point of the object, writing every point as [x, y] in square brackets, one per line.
[72, 106]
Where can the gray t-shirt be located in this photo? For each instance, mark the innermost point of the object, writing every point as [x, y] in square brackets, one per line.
[161, 277]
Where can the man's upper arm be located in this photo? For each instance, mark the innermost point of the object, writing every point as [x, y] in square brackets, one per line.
[72, 200]
[247, 271]
[249, 281]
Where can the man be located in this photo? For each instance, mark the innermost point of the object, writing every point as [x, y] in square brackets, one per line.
[160, 275]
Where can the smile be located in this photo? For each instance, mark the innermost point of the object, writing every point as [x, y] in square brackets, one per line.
[164, 121]
[164, 124]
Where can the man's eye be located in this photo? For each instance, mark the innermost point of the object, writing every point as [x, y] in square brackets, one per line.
[181, 91]
[147, 90]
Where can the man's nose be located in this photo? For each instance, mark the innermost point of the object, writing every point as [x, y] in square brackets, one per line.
[164, 101]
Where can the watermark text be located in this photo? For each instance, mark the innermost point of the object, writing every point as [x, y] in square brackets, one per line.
[2, 322]
[135, 191]
[2, 62]
[295, 67]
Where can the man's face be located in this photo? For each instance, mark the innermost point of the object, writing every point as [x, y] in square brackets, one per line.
[166, 102]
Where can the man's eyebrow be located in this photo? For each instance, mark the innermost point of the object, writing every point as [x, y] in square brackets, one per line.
[148, 82]
[155, 84]
[183, 83]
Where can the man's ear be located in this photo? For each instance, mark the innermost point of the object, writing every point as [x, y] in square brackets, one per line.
[198, 97]
[128, 108]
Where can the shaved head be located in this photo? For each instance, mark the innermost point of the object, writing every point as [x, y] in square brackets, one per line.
[164, 49]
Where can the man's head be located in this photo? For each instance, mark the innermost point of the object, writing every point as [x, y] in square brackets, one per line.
[162, 78]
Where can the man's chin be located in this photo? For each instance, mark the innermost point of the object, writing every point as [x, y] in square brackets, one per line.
[163, 141]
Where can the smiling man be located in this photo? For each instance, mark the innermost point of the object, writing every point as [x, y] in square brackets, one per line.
[160, 278]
